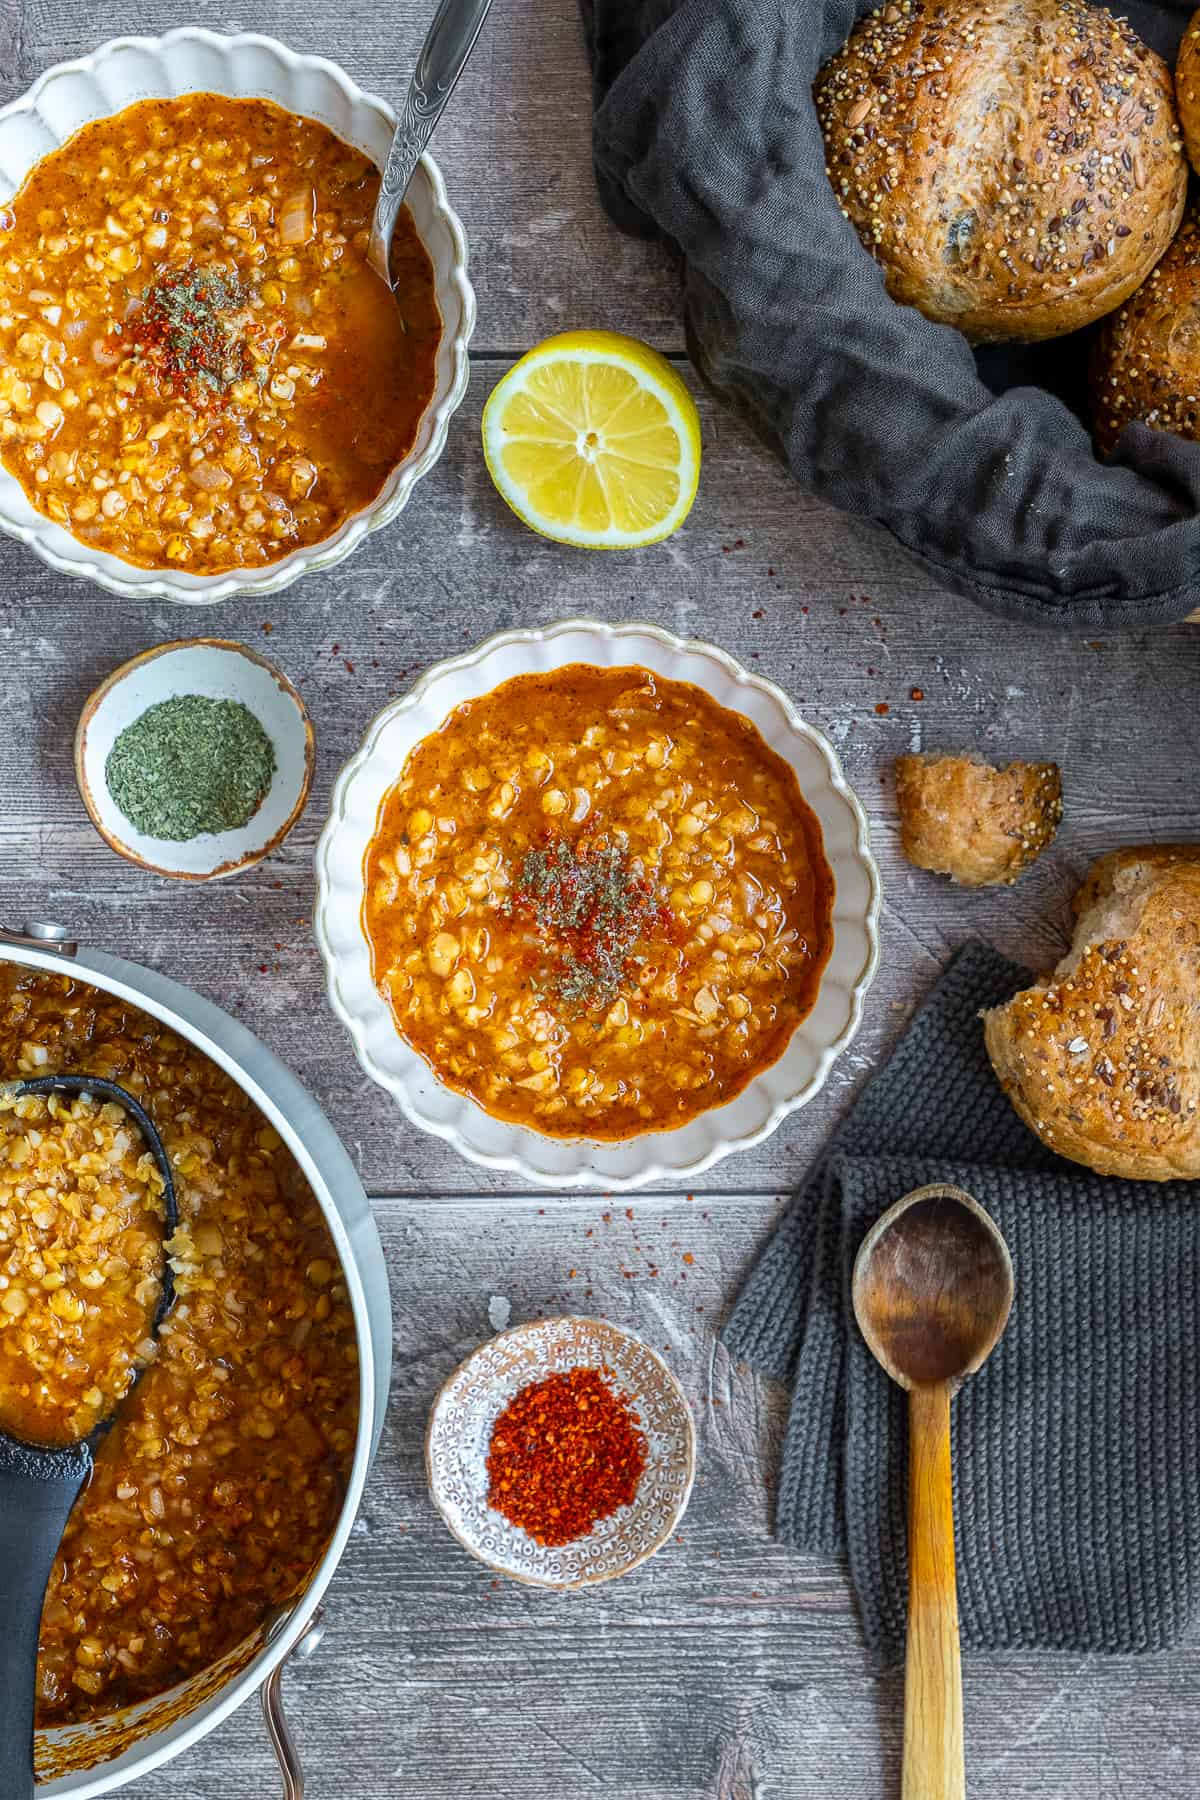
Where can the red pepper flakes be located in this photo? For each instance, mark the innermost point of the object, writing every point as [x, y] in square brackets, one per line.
[186, 325]
[917, 694]
[564, 1454]
[883, 708]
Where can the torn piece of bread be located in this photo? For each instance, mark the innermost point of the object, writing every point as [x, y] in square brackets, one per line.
[1102, 1058]
[982, 826]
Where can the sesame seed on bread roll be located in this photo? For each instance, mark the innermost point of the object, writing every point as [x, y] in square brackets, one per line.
[980, 825]
[1187, 89]
[1015, 166]
[1102, 1058]
[1146, 363]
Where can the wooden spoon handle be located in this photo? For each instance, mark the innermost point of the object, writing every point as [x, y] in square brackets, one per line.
[933, 1724]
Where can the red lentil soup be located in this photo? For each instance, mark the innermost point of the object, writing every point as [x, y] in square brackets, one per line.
[216, 1490]
[198, 369]
[597, 902]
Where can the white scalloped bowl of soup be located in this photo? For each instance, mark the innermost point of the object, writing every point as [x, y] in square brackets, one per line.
[596, 905]
[204, 390]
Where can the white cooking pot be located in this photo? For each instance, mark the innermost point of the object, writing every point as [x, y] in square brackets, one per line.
[111, 1751]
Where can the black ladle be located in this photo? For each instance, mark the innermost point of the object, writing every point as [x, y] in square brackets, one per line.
[39, 1486]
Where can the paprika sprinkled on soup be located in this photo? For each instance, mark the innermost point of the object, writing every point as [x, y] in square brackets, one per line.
[565, 1453]
[597, 902]
[198, 369]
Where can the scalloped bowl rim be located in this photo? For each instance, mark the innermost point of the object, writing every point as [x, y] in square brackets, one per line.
[655, 1167]
[277, 576]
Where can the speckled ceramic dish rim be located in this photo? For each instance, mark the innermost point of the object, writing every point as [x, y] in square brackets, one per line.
[244, 65]
[775, 1092]
[604, 1329]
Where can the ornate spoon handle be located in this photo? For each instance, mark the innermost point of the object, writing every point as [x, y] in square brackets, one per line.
[450, 41]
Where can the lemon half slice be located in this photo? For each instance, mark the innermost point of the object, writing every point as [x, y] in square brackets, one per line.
[593, 439]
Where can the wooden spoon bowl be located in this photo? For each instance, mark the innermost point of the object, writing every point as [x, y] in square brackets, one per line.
[933, 1285]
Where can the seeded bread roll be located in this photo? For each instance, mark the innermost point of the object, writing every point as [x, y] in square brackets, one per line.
[1146, 364]
[980, 825]
[1014, 165]
[1187, 89]
[1102, 1059]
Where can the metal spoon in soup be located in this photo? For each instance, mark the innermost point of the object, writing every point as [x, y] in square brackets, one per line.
[448, 43]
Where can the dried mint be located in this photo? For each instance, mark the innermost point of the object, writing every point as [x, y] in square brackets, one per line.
[190, 765]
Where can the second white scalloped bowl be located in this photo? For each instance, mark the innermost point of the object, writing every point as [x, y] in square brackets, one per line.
[574, 1163]
[245, 66]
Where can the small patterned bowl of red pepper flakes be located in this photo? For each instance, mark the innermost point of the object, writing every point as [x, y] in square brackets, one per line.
[562, 1453]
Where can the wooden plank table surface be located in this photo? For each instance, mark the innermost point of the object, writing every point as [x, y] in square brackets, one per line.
[729, 1667]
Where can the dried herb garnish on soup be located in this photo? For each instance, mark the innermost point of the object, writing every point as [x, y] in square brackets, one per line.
[189, 324]
[592, 907]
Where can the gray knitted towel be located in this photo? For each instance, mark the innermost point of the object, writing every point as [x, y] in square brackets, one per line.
[1077, 1446]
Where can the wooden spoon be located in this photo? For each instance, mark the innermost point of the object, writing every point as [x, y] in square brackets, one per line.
[932, 1288]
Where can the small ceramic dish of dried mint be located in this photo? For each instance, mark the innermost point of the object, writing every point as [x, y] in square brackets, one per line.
[194, 759]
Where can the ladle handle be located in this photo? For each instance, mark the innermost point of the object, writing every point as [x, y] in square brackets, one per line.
[933, 1715]
[33, 1514]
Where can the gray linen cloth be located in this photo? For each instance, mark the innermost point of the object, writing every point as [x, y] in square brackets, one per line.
[705, 135]
[1077, 1446]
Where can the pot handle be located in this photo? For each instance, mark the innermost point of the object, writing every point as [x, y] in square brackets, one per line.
[38, 935]
[37, 1491]
[282, 1741]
